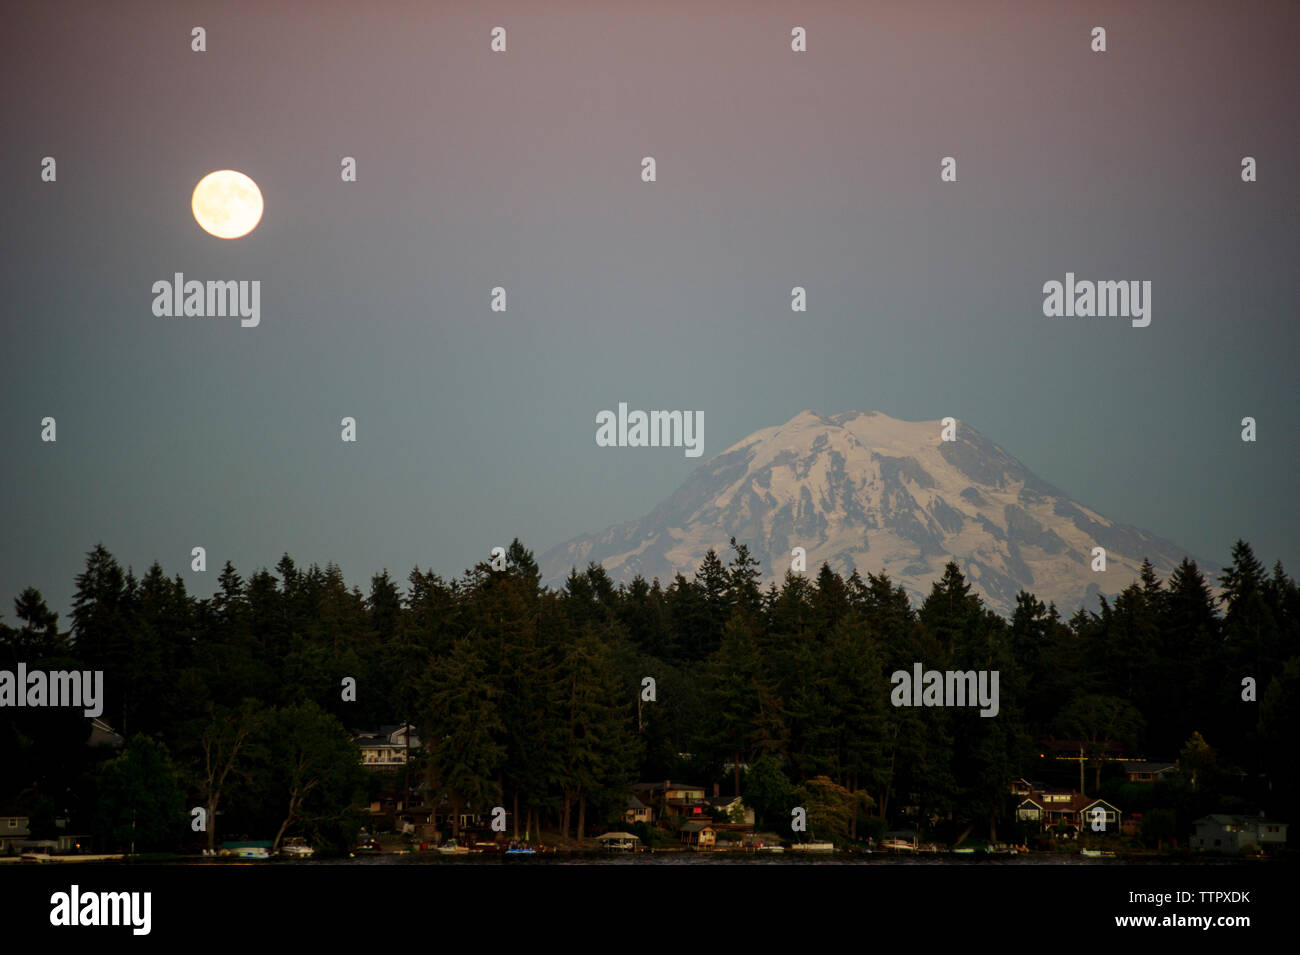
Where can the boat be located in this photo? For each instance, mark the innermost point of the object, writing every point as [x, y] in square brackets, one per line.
[897, 845]
[521, 850]
[251, 852]
[1097, 853]
[619, 841]
[452, 848]
[964, 851]
[813, 847]
[247, 850]
[297, 849]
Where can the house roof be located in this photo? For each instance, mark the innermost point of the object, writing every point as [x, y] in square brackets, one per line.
[664, 786]
[696, 826]
[383, 738]
[1148, 767]
[1093, 802]
[1077, 802]
[101, 734]
[1225, 819]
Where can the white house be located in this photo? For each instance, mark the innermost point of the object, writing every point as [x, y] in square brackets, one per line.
[386, 746]
[1219, 832]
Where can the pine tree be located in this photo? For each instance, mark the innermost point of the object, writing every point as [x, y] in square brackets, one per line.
[714, 587]
[951, 611]
[743, 712]
[831, 599]
[101, 612]
[600, 750]
[742, 581]
[38, 638]
[463, 728]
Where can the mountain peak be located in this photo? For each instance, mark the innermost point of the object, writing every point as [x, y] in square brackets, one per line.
[864, 490]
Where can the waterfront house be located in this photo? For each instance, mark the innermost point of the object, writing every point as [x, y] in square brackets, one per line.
[677, 799]
[1065, 807]
[698, 835]
[1220, 832]
[637, 811]
[14, 829]
[385, 747]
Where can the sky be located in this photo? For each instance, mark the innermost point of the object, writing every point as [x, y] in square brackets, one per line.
[523, 169]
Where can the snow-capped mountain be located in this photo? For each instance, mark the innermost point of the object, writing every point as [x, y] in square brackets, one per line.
[865, 490]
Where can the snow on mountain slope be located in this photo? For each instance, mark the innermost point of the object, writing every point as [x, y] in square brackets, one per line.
[865, 490]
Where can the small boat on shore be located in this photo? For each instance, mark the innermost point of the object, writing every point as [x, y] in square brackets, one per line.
[1097, 853]
[453, 848]
[251, 852]
[247, 850]
[897, 845]
[297, 849]
[619, 842]
[812, 847]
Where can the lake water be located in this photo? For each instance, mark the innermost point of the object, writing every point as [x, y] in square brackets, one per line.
[719, 858]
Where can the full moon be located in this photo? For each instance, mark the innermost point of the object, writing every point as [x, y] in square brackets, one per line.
[227, 204]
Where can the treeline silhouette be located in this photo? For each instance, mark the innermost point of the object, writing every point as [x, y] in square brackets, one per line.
[535, 699]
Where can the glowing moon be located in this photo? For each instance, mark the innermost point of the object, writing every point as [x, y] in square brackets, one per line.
[227, 204]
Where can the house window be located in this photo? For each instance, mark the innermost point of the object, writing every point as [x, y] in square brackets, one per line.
[13, 823]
